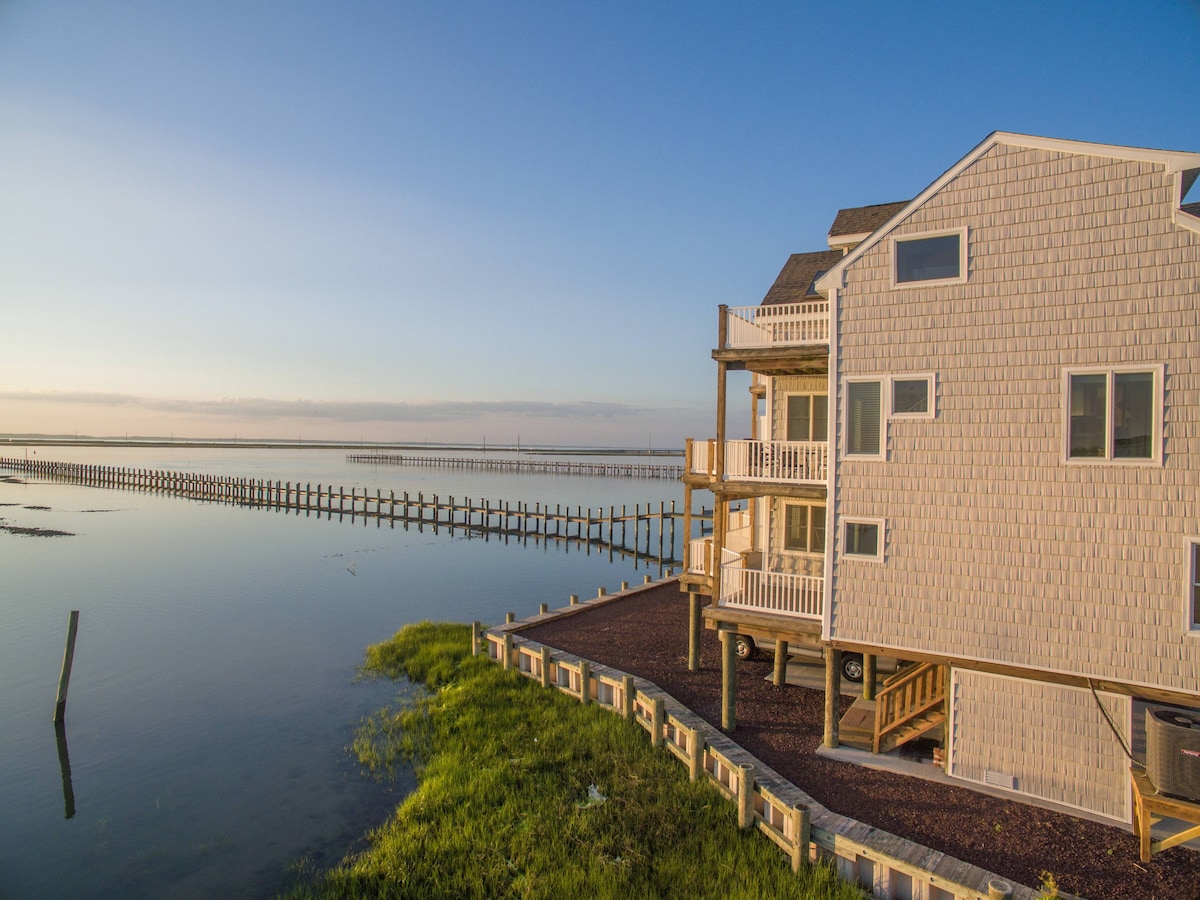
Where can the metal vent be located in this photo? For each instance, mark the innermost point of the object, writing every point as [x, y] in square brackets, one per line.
[999, 779]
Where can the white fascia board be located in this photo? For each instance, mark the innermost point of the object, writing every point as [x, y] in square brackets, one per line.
[1172, 160]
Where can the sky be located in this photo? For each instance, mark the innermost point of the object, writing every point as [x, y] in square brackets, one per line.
[479, 221]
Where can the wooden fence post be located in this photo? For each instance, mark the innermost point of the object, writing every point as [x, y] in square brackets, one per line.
[545, 667]
[745, 796]
[585, 681]
[476, 631]
[695, 754]
[508, 646]
[801, 830]
[658, 716]
[628, 697]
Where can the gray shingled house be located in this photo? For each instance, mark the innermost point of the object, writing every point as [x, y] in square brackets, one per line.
[976, 448]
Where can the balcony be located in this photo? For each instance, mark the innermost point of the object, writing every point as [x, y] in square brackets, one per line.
[778, 593]
[778, 325]
[779, 462]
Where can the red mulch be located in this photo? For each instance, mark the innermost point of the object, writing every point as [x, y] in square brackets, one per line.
[646, 635]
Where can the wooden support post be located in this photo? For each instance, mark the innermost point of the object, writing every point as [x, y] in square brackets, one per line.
[476, 632]
[694, 630]
[645, 579]
[745, 796]
[574, 599]
[658, 718]
[585, 681]
[999, 890]
[833, 691]
[779, 674]
[801, 835]
[869, 676]
[509, 618]
[624, 585]
[628, 697]
[545, 667]
[600, 592]
[728, 679]
[508, 646]
[64, 679]
[543, 608]
[695, 754]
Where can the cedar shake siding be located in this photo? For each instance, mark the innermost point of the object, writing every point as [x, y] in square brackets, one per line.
[997, 548]
[1065, 751]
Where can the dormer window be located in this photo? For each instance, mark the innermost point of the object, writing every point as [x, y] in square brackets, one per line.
[930, 259]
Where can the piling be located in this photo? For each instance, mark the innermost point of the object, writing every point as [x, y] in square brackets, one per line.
[60, 704]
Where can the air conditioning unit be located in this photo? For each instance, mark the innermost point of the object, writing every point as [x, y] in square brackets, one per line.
[1173, 752]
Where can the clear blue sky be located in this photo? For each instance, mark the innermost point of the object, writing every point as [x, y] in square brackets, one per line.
[442, 220]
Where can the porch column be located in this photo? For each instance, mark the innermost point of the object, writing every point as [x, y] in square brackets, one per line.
[694, 627]
[728, 678]
[833, 690]
[868, 676]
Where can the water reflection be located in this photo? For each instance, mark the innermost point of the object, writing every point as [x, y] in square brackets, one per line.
[64, 765]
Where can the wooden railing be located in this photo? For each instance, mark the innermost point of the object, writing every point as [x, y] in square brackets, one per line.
[884, 864]
[909, 693]
[783, 324]
[791, 462]
[781, 593]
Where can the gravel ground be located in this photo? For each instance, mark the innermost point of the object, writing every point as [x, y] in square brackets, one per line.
[646, 635]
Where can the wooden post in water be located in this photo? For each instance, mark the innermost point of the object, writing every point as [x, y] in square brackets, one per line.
[60, 705]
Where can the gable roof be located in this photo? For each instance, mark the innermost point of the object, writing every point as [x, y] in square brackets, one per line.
[853, 225]
[1174, 161]
[794, 283]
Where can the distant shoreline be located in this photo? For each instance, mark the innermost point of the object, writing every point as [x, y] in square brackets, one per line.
[360, 446]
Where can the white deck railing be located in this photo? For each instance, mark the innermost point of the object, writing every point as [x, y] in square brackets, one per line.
[699, 554]
[702, 458]
[772, 592]
[796, 462]
[781, 324]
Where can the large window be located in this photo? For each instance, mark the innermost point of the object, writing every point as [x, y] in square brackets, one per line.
[805, 528]
[937, 258]
[807, 417]
[864, 418]
[1114, 415]
[863, 538]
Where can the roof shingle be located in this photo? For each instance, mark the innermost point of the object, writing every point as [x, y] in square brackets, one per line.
[795, 281]
[863, 219]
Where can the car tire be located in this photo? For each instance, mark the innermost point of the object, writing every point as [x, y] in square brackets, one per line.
[852, 667]
[745, 646]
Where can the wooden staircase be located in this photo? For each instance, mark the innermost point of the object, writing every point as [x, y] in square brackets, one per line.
[909, 704]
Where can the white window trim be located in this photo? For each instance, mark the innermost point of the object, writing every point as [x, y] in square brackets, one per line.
[885, 390]
[961, 278]
[1156, 442]
[864, 520]
[1191, 630]
[788, 395]
[930, 377]
[807, 554]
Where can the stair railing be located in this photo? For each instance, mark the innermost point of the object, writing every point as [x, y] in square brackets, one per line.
[909, 693]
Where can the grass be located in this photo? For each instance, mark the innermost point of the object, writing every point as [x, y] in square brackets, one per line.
[525, 793]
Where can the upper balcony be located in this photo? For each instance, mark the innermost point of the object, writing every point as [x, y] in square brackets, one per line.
[761, 462]
[779, 338]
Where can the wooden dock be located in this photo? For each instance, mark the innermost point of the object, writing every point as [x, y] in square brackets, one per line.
[651, 527]
[534, 466]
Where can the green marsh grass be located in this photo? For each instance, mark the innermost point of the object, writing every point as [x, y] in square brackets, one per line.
[503, 808]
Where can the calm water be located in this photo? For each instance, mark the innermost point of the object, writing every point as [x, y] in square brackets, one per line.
[213, 691]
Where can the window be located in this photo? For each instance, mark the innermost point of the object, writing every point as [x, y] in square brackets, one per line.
[863, 538]
[864, 418]
[1114, 415]
[807, 417]
[925, 259]
[805, 528]
[912, 397]
[1192, 588]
